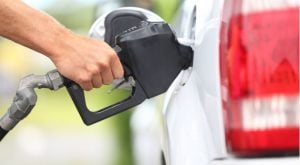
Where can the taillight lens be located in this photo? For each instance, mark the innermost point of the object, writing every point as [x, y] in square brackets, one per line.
[259, 61]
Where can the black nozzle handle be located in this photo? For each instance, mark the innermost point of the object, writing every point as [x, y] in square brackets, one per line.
[89, 117]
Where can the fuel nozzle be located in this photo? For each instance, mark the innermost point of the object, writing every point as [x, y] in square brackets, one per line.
[151, 56]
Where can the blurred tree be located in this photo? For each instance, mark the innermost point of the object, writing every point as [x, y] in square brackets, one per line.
[166, 8]
[75, 16]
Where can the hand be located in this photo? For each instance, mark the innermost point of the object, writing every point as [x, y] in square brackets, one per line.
[88, 62]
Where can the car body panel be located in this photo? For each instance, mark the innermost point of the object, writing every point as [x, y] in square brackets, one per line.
[191, 120]
[193, 116]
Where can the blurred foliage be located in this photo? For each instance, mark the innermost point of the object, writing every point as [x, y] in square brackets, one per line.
[75, 17]
[166, 8]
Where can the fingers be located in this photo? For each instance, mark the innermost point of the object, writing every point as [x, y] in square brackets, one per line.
[85, 82]
[90, 78]
[96, 76]
[90, 83]
[107, 76]
[117, 69]
[97, 81]
[90, 63]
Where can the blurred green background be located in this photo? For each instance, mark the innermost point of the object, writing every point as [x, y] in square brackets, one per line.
[54, 133]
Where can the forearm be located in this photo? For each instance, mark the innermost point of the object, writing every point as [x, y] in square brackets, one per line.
[31, 27]
[87, 61]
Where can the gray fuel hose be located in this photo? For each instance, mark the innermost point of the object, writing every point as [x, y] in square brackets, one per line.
[25, 98]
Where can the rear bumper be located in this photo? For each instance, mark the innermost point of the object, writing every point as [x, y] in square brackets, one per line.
[258, 161]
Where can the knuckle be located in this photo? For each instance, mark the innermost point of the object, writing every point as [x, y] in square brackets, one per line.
[86, 86]
[93, 69]
[113, 54]
[104, 65]
[114, 58]
[97, 82]
[84, 79]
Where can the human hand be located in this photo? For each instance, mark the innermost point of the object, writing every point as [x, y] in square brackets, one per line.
[88, 62]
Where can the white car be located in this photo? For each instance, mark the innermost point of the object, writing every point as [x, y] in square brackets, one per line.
[257, 123]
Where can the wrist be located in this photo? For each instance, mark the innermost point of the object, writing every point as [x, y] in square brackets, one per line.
[32, 28]
[56, 43]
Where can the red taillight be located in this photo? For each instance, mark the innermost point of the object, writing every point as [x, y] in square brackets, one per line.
[259, 57]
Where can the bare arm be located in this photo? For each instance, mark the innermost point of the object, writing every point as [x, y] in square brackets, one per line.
[86, 61]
